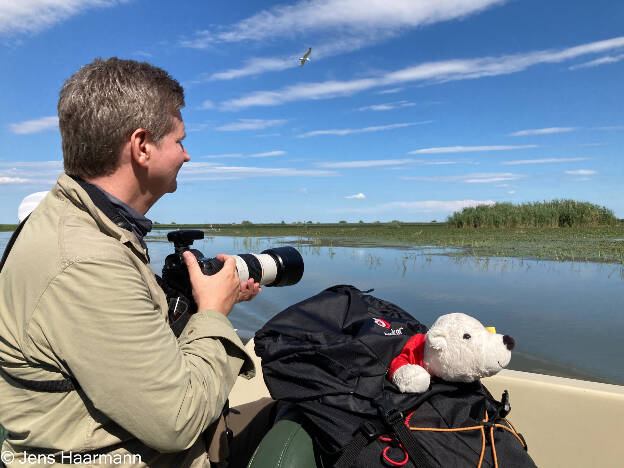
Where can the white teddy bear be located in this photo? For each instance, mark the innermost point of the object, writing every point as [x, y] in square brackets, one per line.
[457, 348]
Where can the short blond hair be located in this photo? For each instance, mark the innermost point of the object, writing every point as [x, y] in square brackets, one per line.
[104, 102]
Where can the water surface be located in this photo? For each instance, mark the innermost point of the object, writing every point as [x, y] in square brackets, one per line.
[567, 318]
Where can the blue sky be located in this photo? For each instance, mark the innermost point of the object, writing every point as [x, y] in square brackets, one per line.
[408, 109]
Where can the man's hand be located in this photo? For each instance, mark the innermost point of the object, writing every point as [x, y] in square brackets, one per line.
[248, 290]
[219, 291]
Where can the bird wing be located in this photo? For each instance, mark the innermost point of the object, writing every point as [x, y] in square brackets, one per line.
[305, 56]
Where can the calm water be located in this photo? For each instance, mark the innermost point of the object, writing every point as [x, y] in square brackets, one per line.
[567, 318]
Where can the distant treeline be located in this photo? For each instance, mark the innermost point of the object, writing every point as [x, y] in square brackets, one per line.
[556, 213]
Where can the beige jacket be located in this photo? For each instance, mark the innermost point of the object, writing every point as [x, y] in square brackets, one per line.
[78, 297]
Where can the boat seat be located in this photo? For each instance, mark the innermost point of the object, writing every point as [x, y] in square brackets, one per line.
[287, 445]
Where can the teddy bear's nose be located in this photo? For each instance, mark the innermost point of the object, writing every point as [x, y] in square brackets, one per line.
[509, 342]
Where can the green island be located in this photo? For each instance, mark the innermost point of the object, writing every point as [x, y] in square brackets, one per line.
[562, 230]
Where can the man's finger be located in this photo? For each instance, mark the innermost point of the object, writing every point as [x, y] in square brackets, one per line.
[191, 263]
[223, 257]
[228, 262]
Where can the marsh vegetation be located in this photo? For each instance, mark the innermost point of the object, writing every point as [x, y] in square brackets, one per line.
[555, 213]
[597, 244]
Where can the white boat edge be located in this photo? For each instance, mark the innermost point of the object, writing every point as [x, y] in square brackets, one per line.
[566, 422]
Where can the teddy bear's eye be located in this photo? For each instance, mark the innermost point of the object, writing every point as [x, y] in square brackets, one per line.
[467, 336]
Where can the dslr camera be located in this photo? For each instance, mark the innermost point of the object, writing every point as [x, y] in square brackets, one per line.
[280, 266]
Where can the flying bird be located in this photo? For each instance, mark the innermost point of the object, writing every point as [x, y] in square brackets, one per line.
[305, 58]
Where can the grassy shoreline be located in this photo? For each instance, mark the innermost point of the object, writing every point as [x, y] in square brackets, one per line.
[595, 244]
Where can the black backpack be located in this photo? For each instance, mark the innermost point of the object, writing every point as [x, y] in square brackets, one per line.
[329, 356]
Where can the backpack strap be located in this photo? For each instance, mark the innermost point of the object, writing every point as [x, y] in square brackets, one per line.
[367, 432]
[394, 418]
[12, 240]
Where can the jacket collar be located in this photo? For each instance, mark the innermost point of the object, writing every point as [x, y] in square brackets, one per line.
[69, 189]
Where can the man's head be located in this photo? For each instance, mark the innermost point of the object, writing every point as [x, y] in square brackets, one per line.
[104, 102]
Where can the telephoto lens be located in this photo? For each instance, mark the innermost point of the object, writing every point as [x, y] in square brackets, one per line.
[280, 266]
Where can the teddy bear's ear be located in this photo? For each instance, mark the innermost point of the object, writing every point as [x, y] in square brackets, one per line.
[436, 339]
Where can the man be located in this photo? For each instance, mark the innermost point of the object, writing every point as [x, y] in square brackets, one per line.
[90, 371]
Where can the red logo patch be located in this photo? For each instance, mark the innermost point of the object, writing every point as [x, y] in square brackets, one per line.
[381, 323]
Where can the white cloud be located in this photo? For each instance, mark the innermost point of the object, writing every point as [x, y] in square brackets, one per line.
[598, 61]
[254, 66]
[31, 16]
[250, 124]
[350, 131]
[382, 162]
[390, 91]
[197, 127]
[543, 161]
[581, 172]
[474, 178]
[35, 126]
[511, 192]
[387, 106]
[612, 127]
[223, 156]
[357, 196]
[435, 163]
[371, 17]
[298, 92]
[12, 180]
[43, 173]
[207, 104]
[213, 171]
[468, 149]
[369, 163]
[267, 154]
[258, 65]
[241, 155]
[543, 131]
[426, 206]
[429, 72]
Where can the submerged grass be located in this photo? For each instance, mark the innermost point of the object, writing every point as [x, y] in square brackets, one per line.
[596, 244]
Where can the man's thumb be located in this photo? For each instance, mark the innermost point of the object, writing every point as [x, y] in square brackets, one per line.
[191, 263]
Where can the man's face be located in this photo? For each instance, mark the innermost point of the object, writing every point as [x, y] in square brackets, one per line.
[167, 158]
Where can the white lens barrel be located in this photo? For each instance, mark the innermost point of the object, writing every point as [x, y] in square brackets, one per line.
[241, 266]
[269, 268]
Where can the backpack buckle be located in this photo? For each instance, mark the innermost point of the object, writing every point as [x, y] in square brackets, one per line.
[369, 430]
[392, 417]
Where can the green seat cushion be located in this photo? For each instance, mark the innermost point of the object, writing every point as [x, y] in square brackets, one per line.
[286, 445]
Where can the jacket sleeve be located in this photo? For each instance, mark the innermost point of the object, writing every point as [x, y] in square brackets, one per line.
[99, 320]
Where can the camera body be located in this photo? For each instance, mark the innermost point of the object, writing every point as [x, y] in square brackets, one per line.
[280, 266]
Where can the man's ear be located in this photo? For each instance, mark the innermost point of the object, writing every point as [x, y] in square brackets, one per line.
[140, 146]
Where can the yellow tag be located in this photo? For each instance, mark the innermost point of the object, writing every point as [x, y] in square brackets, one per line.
[491, 329]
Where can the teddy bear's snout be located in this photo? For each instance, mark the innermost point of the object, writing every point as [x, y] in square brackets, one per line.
[509, 342]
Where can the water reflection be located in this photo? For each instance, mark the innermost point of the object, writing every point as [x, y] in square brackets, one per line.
[549, 307]
[566, 317]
